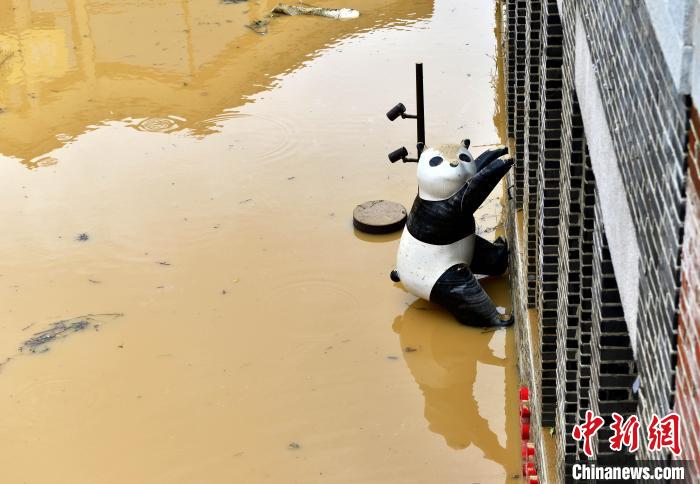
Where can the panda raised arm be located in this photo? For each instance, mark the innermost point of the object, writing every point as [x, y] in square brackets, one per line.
[483, 159]
[464, 183]
[482, 184]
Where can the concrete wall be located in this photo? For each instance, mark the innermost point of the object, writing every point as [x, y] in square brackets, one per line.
[673, 21]
[605, 216]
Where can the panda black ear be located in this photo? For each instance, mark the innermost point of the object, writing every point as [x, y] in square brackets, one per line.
[466, 143]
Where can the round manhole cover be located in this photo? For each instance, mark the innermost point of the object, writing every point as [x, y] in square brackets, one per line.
[379, 217]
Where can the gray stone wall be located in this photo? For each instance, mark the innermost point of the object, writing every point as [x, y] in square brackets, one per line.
[648, 121]
[613, 370]
[547, 200]
[530, 155]
[601, 180]
[573, 323]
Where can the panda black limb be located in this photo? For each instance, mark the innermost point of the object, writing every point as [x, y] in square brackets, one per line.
[458, 291]
[490, 259]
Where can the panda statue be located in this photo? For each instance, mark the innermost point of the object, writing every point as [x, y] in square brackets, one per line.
[440, 253]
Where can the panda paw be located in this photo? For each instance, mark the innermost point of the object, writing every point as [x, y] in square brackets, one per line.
[503, 321]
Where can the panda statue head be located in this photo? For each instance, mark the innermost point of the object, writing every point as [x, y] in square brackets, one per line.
[440, 176]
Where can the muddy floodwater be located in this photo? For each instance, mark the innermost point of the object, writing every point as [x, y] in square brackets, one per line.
[177, 192]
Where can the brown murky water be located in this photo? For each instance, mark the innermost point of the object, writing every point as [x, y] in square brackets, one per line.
[213, 172]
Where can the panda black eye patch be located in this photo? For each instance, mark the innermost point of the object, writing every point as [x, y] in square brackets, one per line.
[464, 157]
[435, 161]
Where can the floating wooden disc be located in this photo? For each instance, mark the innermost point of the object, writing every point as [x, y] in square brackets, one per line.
[379, 217]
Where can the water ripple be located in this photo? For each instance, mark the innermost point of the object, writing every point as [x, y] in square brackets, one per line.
[158, 125]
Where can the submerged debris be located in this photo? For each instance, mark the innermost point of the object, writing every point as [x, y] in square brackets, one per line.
[4, 57]
[82, 237]
[39, 342]
[260, 26]
[301, 9]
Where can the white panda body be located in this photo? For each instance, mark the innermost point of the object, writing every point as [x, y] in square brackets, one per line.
[420, 264]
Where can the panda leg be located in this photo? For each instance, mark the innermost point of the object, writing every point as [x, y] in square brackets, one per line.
[458, 291]
[490, 259]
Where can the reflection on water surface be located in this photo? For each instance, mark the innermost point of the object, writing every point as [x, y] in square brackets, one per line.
[214, 172]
